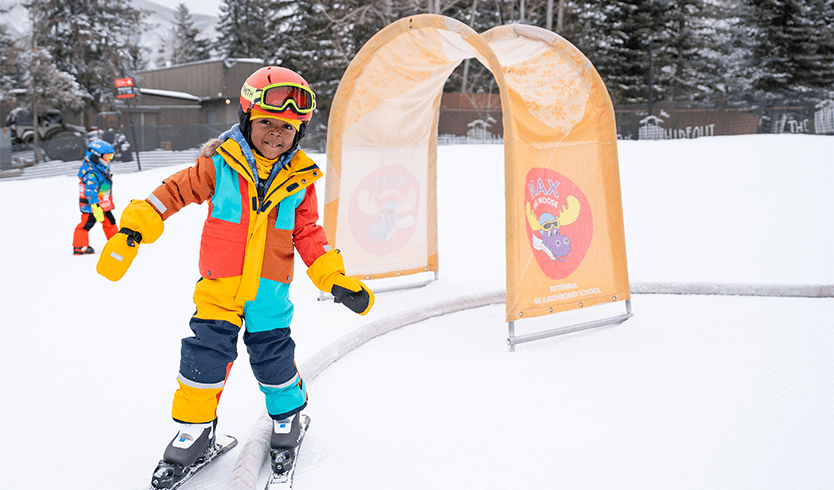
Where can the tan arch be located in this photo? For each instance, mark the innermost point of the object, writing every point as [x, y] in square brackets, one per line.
[556, 114]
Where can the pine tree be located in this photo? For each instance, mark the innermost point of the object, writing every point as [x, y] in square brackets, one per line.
[740, 69]
[471, 76]
[94, 41]
[286, 40]
[817, 61]
[46, 85]
[244, 29]
[187, 46]
[793, 51]
[319, 40]
[11, 72]
[690, 42]
[696, 53]
[825, 40]
[616, 39]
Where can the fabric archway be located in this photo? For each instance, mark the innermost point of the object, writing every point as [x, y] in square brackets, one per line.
[564, 228]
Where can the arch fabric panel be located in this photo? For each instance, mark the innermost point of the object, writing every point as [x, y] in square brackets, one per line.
[565, 241]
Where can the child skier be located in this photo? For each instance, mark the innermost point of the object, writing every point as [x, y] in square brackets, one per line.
[95, 196]
[261, 205]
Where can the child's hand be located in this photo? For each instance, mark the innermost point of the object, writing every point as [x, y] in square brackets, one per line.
[97, 212]
[139, 223]
[328, 274]
[118, 254]
[353, 294]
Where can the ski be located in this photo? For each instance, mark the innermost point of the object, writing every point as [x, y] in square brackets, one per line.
[166, 475]
[283, 461]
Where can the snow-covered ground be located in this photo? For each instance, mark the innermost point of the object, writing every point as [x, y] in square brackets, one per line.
[692, 392]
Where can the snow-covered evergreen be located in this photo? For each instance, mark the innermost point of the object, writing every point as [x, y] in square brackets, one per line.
[793, 51]
[244, 28]
[188, 44]
[47, 86]
[10, 70]
[94, 42]
[718, 52]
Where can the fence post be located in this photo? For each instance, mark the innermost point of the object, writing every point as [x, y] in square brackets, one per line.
[5, 149]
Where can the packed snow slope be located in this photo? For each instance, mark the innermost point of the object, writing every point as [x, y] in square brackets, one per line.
[693, 392]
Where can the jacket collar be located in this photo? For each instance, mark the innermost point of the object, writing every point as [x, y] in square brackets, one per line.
[97, 168]
[235, 146]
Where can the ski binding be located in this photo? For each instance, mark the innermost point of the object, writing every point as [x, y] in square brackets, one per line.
[171, 476]
[282, 461]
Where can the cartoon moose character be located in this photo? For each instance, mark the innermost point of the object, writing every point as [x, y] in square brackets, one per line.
[553, 243]
[388, 223]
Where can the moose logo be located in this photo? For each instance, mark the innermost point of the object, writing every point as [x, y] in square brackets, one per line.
[559, 223]
[383, 209]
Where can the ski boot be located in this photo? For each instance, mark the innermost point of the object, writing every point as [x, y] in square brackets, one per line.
[285, 442]
[83, 250]
[286, 434]
[189, 447]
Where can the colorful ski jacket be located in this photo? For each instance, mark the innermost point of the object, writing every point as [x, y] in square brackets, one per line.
[246, 234]
[95, 186]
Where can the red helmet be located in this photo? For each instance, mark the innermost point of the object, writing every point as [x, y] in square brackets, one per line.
[278, 91]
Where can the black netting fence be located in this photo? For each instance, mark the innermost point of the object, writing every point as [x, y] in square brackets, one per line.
[193, 136]
[463, 119]
[670, 121]
[127, 141]
[665, 121]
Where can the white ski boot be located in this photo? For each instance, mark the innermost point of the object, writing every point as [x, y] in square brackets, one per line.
[192, 447]
[191, 442]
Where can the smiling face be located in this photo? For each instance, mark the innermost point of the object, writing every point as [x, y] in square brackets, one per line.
[272, 137]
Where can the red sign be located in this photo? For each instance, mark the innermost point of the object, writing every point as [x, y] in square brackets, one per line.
[383, 210]
[559, 223]
[124, 88]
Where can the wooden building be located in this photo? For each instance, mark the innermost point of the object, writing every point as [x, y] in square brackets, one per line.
[202, 92]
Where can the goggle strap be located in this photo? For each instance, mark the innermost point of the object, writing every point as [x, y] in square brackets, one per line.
[249, 92]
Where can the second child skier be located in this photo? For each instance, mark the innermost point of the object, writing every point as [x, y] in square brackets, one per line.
[95, 196]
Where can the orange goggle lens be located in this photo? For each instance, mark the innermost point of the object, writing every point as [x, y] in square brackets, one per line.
[107, 157]
[281, 97]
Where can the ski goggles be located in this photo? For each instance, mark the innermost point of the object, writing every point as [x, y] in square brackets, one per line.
[280, 97]
[107, 157]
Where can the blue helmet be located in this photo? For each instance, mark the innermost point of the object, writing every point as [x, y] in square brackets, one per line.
[96, 151]
[99, 148]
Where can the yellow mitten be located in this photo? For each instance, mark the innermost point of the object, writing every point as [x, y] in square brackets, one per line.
[97, 212]
[142, 218]
[118, 254]
[328, 274]
[140, 223]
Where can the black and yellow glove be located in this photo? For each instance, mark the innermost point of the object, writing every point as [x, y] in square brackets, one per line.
[98, 213]
[140, 223]
[328, 274]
